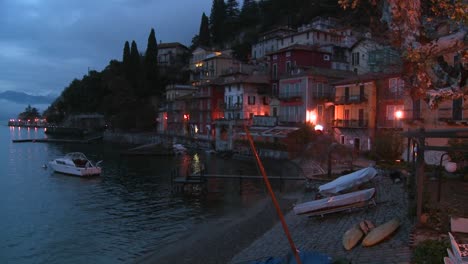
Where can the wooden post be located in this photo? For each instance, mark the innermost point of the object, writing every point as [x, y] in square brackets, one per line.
[420, 174]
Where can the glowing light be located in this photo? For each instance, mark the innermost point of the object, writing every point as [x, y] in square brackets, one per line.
[318, 127]
[311, 117]
[398, 114]
[196, 129]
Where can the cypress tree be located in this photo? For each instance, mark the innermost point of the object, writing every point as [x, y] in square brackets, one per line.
[217, 21]
[126, 60]
[151, 64]
[126, 53]
[134, 57]
[204, 33]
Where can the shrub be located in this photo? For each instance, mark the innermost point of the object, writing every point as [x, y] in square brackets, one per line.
[430, 252]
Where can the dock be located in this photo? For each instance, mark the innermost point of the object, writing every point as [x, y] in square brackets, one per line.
[57, 140]
[197, 182]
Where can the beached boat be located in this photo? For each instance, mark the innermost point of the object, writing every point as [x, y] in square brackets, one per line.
[347, 181]
[75, 163]
[336, 203]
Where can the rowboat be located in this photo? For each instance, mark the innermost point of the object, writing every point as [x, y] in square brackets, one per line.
[336, 203]
[347, 181]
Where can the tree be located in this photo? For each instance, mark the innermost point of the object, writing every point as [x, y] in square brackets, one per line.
[30, 113]
[249, 15]
[126, 58]
[151, 65]
[232, 17]
[431, 36]
[204, 38]
[217, 22]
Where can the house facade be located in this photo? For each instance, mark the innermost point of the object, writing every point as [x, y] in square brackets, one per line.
[170, 54]
[307, 96]
[282, 62]
[245, 96]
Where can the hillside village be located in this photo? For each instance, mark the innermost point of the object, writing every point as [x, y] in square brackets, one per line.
[339, 79]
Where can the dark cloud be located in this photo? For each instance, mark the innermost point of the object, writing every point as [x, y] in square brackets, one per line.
[45, 44]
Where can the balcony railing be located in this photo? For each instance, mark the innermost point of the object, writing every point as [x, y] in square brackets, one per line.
[283, 95]
[232, 107]
[353, 123]
[352, 99]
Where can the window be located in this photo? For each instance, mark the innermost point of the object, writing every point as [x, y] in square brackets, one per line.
[251, 115]
[288, 54]
[251, 100]
[292, 39]
[275, 71]
[355, 58]
[396, 85]
[342, 139]
[326, 57]
[288, 66]
[308, 33]
[265, 100]
[275, 89]
[392, 109]
[275, 57]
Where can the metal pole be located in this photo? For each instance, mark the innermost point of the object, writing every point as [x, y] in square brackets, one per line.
[273, 197]
[420, 174]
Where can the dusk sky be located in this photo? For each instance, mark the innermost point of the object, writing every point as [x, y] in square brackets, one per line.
[45, 44]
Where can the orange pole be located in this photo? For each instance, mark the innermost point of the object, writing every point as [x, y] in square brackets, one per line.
[273, 197]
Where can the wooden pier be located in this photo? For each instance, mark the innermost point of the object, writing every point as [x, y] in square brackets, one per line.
[197, 182]
[56, 140]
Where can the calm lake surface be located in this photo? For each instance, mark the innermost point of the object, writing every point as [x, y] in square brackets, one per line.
[115, 218]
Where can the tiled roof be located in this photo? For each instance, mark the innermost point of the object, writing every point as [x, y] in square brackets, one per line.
[171, 45]
[297, 47]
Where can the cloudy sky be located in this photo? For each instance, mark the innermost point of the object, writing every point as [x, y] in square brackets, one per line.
[45, 44]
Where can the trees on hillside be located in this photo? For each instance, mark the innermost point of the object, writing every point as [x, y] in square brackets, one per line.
[431, 35]
[204, 38]
[30, 113]
[217, 22]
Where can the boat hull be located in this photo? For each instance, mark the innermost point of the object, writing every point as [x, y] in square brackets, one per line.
[75, 171]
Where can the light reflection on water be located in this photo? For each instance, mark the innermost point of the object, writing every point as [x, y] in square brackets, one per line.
[114, 218]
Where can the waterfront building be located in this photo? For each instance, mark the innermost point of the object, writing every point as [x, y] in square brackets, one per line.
[364, 104]
[306, 96]
[283, 61]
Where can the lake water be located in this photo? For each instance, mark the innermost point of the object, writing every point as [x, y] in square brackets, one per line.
[115, 218]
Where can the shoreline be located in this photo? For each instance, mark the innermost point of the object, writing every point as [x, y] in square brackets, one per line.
[219, 240]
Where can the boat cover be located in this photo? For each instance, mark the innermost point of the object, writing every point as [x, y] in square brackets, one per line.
[309, 257]
[334, 201]
[347, 181]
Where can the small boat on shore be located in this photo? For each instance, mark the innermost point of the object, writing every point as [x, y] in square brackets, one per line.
[336, 203]
[76, 164]
[347, 181]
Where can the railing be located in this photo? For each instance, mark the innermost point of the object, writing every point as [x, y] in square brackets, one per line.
[351, 123]
[236, 106]
[283, 95]
[352, 99]
[323, 96]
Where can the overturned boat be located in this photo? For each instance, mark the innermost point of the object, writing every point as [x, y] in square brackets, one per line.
[347, 181]
[336, 203]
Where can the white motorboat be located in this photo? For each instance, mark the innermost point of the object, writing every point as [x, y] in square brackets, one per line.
[75, 163]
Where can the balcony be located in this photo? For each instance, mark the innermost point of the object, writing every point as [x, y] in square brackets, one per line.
[352, 123]
[288, 96]
[352, 99]
[323, 97]
[232, 107]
